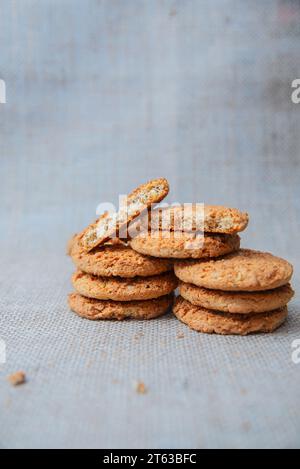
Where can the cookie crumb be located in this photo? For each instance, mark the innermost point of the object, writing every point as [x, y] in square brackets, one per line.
[138, 335]
[18, 378]
[246, 426]
[180, 335]
[140, 387]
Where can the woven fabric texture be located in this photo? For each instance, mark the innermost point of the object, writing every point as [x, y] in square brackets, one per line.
[195, 92]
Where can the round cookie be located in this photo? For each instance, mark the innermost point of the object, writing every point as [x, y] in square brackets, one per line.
[184, 245]
[116, 260]
[208, 321]
[244, 270]
[237, 302]
[100, 309]
[122, 289]
[196, 217]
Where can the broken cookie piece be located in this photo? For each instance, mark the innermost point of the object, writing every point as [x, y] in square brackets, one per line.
[109, 224]
[18, 378]
[140, 387]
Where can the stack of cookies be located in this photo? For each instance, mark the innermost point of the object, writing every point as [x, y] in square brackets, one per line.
[129, 273]
[243, 292]
[113, 281]
[223, 289]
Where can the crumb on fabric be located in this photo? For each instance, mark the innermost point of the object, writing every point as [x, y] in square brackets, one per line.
[246, 426]
[180, 335]
[18, 378]
[140, 387]
[138, 335]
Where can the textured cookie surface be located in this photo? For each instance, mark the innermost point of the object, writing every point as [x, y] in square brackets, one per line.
[184, 245]
[116, 260]
[197, 217]
[122, 289]
[110, 224]
[237, 302]
[208, 321]
[244, 270]
[99, 309]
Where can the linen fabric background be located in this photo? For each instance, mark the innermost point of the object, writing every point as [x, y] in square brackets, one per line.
[102, 96]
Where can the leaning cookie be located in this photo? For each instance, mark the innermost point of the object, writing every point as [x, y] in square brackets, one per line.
[184, 245]
[237, 302]
[122, 289]
[244, 270]
[116, 260]
[100, 309]
[208, 321]
[110, 224]
[196, 217]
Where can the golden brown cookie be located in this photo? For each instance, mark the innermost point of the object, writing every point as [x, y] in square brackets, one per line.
[237, 302]
[196, 217]
[208, 321]
[123, 289]
[184, 245]
[116, 260]
[109, 224]
[244, 270]
[100, 309]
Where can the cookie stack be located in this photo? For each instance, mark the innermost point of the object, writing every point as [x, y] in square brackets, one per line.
[244, 292]
[223, 289]
[115, 282]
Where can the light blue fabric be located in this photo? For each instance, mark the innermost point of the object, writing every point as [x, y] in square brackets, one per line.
[104, 95]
